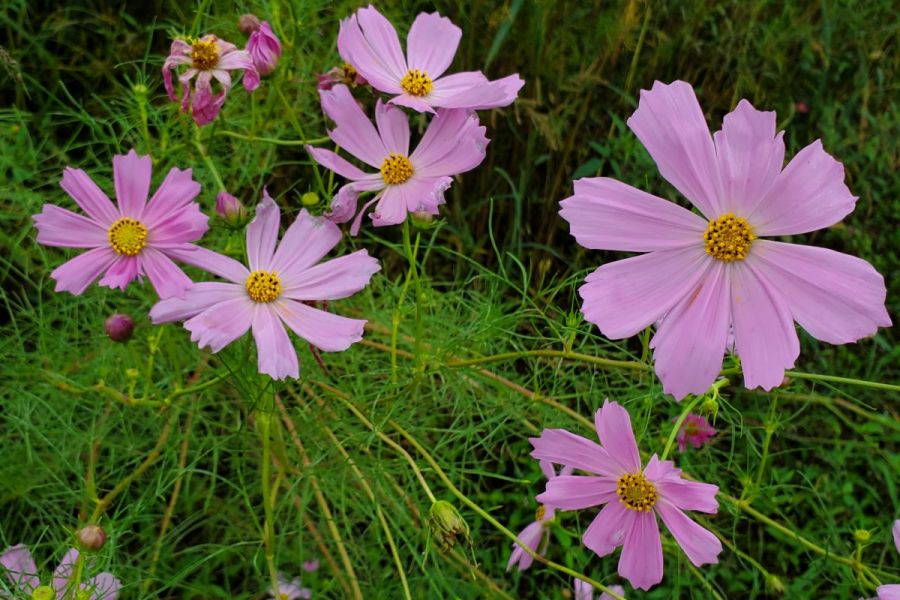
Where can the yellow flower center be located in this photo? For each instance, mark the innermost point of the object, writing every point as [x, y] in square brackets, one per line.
[263, 286]
[728, 238]
[204, 54]
[127, 236]
[635, 492]
[44, 592]
[416, 83]
[540, 512]
[349, 71]
[396, 169]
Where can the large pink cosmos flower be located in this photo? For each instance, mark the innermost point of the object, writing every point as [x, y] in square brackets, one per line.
[633, 498]
[453, 143]
[891, 591]
[271, 293]
[535, 534]
[207, 59]
[369, 42]
[132, 239]
[704, 276]
[22, 573]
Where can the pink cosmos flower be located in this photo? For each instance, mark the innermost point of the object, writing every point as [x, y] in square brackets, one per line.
[535, 535]
[264, 48]
[130, 239]
[271, 293]
[633, 498]
[289, 590]
[311, 566]
[705, 275]
[207, 59]
[695, 430]
[453, 143]
[892, 591]
[369, 42]
[22, 573]
[585, 591]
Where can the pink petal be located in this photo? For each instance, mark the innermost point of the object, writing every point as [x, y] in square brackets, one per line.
[276, 355]
[333, 162]
[750, 156]
[262, 234]
[454, 143]
[20, 568]
[888, 592]
[492, 94]
[626, 296]
[187, 224]
[393, 204]
[532, 536]
[393, 127]
[357, 50]
[385, 44]
[131, 174]
[670, 124]
[165, 276]
[432, 43]
[613, 424]
[565, 448]
[608, 529]
[64, 571]
[88, 196]
[689, 495]
[809, 194]
[452, 85]
[583, 590]
[104, 586]
[573, 492]
[60, 227]
[641, 562]
[547, 469]
[177, 190]
[77, 274]
[699, 544]
[334, 279]
[895, 531]
[689, 345]
[324, 330]
[123, 271]
[209, 261]
[605, 214]
[354, 132]
[305, 242]
[414, 102]
[198, 298]
[343, 205]
[764, 332]
[234, 60]
[618, 589]
[221, 323]
[836, 297]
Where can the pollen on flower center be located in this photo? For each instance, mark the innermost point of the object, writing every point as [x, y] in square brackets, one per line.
[263, 286]
[204, 54]
[396, 169]
[728, 238]
[416, 83]
[127, 236]
[635, 492]
[540, 512]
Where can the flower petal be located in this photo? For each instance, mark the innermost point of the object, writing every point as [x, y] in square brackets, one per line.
[324, 330]
[573, 492]
[333, 162]
[104, 586]
[764, 332]
[60, 227]
[357, 49]
[262, 234]
[432, 43]
[641, 562]
[211, 262]
[200, 297]
[454, 143]
[88, 196]
[565, 448]
[613, 424]
[836, 297]
[671, 125]
[393, 127]
[132, 178]
[809, 194]
[64, 571]
[123, 271]
[77, 274]
[625, 296]
[484, 96]
[689, 495]
[304, 244]
[187, 224]
[165, 276]
[895, 531]
[608, 529]
[276, 356]
[20, 568]
[532, 536]
[221, 323]
[176, 191]
[888, 592]
[393, 204]
[690, 343]
[354, 132]
[334, 279]
[384, 42]
[605, 214]
[698, 543]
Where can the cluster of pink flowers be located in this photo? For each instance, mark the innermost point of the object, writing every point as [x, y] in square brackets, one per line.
[22, 573]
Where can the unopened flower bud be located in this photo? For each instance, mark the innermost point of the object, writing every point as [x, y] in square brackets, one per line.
[91, 538]
[119, 327]
[139, 89]
[264, 48]
[230, 208]
[309, 199]
[446, 525]
[44, 592]
[248, 24]
[710, 407]
[421, 219]
[774, 584]
[862, 535]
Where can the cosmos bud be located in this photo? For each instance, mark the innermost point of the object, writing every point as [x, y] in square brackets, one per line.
[91, 538]
[230, 208]
[248, 24]
[309, 199]
[264, 48]
[446, 525]
[119, 327]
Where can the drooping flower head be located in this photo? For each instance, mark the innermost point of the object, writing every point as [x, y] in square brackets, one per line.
[207, 59]
[891, 591]
[22, 573]
[535, 535]
[585, 591]
[289, 589]
[405, 182]
[369, 42]
[272, 292]
[704, 276]
[695, 430]
[264, 48]
[632, 497]
[130, 239]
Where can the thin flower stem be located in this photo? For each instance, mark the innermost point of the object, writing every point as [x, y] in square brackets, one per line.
[264, 427]
[275, 141]
[770, 426]
[412, 253]
[207, 160]
[596, 360]
[398, 310]
[877, 385]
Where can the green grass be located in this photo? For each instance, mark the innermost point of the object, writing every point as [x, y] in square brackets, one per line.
[500, 276]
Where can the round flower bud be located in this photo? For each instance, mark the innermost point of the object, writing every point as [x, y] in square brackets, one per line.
[248, 24]
[119, 327]
[91, 538]
[862, 535]
[309, 199]
[230, 208]
[421, 220]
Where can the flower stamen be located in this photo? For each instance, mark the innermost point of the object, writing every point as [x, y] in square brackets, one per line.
[540, 512]
[416, 83]
[728, 238]
[204, 54]
[635, 492]
[127, 236]
[263, 286]
[396, 169]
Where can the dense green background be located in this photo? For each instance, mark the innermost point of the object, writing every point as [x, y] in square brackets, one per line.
[503, 274]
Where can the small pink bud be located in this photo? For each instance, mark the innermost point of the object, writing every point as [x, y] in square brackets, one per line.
[310, 565]
[264, 48]
[695, 430]
[91, 538]
[230, 208]
[119, 327]
[248, 24]
[802, 107]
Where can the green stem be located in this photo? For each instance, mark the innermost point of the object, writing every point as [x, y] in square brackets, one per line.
[264, 423]
[877, 385]
[412, 253]
[275, 141]
[207, 160]
[770, 431]
[713, 390]
[596, 360]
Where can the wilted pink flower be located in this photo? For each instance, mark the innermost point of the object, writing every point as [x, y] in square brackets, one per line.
[345, 74]
[585, 591]
[271, 293]
[230, 208]
[704, 276]
[289, 590]
[248, 23]
[22, 573]
[310, 566]
[453, 143]
[207, 59]
[130, 239]
[369, 42]
[535, 534]
[119, 327]
[264, 48]
[633, 498]
[891, 591]
[695, 430]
